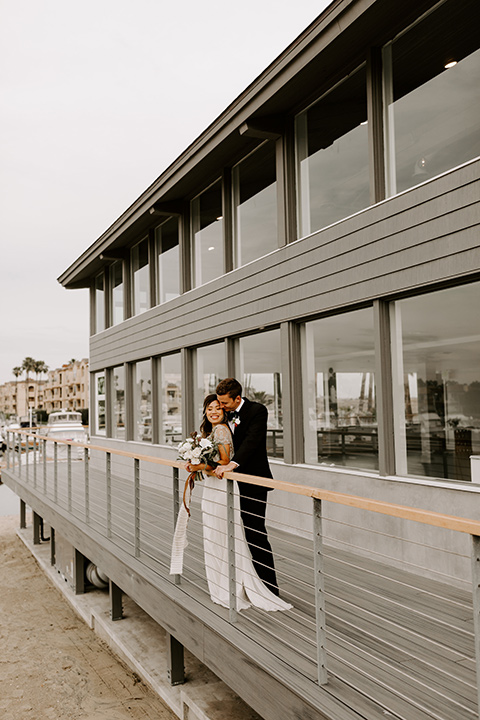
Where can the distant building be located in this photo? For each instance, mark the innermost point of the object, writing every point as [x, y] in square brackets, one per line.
[17, 397]
[65, 388]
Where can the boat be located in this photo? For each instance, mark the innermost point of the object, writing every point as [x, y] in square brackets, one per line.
[65, 425]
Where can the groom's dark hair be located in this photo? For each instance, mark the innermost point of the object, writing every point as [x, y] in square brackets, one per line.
[229, 386]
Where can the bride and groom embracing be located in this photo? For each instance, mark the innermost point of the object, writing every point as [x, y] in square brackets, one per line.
[238, 427]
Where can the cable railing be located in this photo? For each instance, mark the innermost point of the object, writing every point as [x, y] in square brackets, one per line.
[341, 610]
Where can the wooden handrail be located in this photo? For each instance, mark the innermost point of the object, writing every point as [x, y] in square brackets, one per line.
[427, 517]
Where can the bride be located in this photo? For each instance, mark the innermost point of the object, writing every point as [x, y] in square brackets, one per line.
[250, 590]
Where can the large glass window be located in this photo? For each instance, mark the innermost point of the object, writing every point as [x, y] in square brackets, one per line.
[332, 156]
[255, 205]
[339, 390]
[261, 376]
[116, 293]
[99, 303]
[118, 404]
[100, 416]
[432, 95]
[142, 378]
[207, 229]
[167, 242]
[437, 382]
[140, 277]
[210, 369]
[170, 399]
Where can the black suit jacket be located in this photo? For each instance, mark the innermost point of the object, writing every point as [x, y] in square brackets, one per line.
[250, 440]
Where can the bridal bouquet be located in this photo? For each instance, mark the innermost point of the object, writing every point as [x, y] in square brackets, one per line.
[197, 450]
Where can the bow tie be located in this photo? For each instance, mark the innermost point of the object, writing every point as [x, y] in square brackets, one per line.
[233, 415]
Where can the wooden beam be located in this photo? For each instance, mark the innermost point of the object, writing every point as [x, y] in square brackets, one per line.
[173, 209]
[267, 128]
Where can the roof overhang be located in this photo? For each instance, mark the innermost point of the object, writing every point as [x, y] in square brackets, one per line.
[333, 45]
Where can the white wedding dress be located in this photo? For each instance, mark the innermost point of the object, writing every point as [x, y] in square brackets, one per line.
[250, 590]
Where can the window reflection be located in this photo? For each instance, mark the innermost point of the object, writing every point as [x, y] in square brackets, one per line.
[432, 112]
[140, 277]
[166, 236]
[171, 399]
[332, 156]
[339, 390]
[100, 414]
[255, 205]
[99, 303]
[143, 400]
[116, 292]
[118, 389]
[207, 228]
[438, 359]
[261, 377]
[210, 369]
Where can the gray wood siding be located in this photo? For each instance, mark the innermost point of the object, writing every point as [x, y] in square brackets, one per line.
[427, 235]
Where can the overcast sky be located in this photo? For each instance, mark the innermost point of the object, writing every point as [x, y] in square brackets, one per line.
[97, 99]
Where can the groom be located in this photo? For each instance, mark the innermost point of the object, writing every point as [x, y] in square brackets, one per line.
[248, 423]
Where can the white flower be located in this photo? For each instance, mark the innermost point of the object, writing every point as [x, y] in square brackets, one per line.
[196, 452]
[205, 444]
[195, 461]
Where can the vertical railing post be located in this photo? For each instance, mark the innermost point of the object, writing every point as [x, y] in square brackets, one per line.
[27, 440]
[34, 438]
[176, 507]
[55, 470]
[137, 506]
[231, 552]
[87, 485]
[318, 569]
[44, 446]
[476, 605]
[7, 439]
[19, 444]
[69, 478]
[108, 476]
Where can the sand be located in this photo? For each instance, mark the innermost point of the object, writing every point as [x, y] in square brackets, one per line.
[52, 666]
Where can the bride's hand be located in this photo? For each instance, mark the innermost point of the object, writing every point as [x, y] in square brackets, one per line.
[193, 468]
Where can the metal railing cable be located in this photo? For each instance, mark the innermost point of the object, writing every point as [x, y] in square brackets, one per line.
[106, 487]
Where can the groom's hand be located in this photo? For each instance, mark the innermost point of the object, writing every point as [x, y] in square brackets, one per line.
[221, 469]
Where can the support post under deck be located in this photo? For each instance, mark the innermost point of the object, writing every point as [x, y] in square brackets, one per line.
[23, 514]
[116, 607]
[37, 522]
[175, 661]
[79, 561]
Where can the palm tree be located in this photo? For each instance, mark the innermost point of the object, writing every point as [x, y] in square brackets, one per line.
[39, 368]
[28, 366]
[17, 371]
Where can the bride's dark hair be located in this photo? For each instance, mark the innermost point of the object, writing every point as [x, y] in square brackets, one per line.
[206, 426]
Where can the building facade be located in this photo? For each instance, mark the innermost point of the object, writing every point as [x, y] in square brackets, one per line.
[319, 241]
[18, 397]
[66, 388]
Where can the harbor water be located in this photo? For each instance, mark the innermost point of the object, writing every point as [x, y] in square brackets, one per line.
[9, 502]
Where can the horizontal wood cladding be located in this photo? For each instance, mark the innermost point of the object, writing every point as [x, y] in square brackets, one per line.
[426, 236]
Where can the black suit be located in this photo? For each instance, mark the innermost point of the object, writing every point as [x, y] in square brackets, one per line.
[250, 446]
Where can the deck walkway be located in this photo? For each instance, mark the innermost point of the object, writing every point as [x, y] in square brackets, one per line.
[399, 645]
